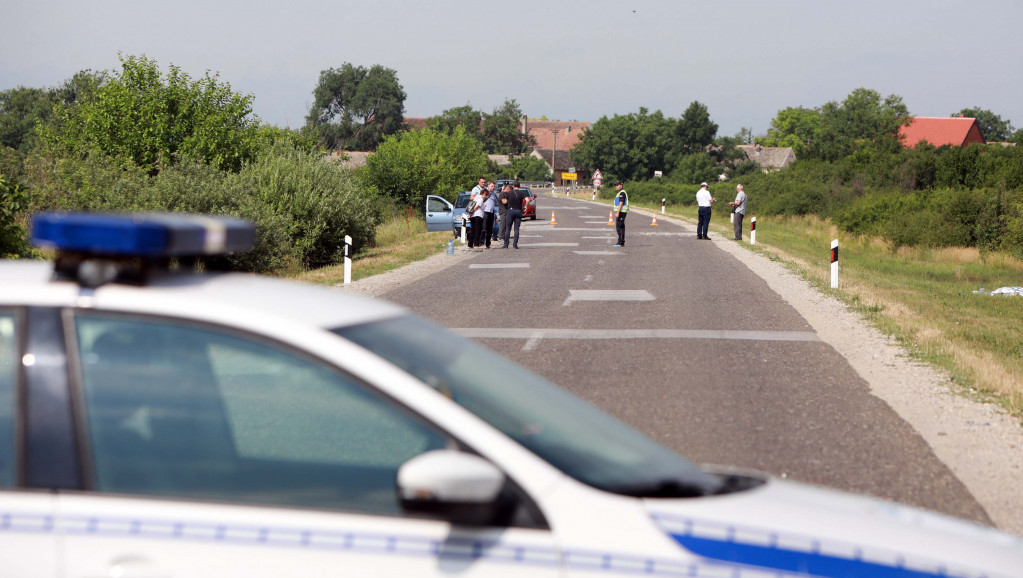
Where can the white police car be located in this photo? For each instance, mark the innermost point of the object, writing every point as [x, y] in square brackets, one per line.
[162, 423]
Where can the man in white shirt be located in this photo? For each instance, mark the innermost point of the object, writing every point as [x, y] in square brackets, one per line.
[704, 201]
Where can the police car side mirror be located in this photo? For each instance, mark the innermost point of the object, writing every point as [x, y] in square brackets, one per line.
[459, 487]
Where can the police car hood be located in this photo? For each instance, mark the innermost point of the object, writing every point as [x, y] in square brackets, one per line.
[783, 526]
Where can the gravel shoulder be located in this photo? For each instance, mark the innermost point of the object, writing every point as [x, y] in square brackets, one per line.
[980, 443]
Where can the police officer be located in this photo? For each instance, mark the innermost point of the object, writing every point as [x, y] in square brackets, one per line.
[622, 210]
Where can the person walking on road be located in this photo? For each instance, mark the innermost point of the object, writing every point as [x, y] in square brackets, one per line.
[513, 200]
[739, 211]
[621, 211]
[704, 200]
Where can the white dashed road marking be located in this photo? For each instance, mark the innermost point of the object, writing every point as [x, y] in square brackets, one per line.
[608, 295]
[500, 266]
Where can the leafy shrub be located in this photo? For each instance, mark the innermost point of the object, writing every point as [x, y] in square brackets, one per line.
[13, 207]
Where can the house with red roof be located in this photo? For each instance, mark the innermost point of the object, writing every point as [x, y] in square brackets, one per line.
[554, 140]
[939, 131]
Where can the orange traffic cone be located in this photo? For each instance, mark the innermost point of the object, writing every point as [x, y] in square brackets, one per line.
[553, 220]
[610, 218]
[654, 224]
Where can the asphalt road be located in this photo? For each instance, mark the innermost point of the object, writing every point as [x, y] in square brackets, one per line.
[675, 337]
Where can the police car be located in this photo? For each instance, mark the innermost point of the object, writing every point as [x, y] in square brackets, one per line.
[155, 421]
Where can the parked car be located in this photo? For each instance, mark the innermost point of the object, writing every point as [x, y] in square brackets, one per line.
[528, 205]
[438, 213]
[442, 215]
[163, 422]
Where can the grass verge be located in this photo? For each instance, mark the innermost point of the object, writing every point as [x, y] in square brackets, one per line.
[922, 297]
[401, 239]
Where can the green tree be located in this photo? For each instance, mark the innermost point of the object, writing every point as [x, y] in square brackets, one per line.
[410, 165]
[498, 131]
[529, 168]
[465, 116]
[696, 168]
[149, 119]
[694, 130]
[793, 127]
[13, 206]
[501, 132]
[21, 109]
[627, 147]
[991, 125]
[355, 108]
[863, 119]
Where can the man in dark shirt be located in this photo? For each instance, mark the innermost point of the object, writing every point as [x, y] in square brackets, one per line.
[511, 198]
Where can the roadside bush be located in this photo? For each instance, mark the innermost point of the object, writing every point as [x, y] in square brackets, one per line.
[13, 210]
[315, 202]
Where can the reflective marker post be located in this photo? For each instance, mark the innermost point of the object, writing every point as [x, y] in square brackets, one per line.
[662, 205]
[834, 264]
[348, 259]
[753, 231]
[463, 228]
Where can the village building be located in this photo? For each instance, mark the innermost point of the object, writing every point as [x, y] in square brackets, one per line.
[769, 158]
[940, 131]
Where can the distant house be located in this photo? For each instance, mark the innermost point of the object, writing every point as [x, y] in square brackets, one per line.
[769, 158]
[939, 131]
[554, 140]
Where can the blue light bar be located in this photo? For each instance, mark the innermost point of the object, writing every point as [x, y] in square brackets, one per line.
[142, 235]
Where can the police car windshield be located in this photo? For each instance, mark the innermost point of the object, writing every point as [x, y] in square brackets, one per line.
[570, 434]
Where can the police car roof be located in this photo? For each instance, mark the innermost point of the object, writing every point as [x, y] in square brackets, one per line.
[228, 297]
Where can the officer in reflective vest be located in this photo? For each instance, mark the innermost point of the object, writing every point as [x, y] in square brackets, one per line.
[621, 211]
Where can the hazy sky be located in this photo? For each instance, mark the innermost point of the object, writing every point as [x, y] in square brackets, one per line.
[569, 60]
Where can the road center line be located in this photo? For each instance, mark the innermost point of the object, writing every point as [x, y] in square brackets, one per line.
[534, 335]
[500, 266]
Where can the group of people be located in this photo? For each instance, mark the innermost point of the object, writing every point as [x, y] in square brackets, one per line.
[485, 206]
[704, 200]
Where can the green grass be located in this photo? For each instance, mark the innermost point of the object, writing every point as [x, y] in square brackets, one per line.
[922, 297]
[400, 240]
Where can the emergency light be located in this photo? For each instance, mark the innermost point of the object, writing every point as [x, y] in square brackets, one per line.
[95, 249]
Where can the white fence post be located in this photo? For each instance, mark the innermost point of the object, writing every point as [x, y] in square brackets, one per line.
[834, 264]
[348, 259]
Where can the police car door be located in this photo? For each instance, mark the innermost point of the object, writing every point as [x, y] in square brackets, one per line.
[28, 534]
[217, 453]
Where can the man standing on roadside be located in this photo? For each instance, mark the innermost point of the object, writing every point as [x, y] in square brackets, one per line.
[704, 200]
[489, 208]
[621, 211]
[512, 199]
[478, 188]
[740, 210]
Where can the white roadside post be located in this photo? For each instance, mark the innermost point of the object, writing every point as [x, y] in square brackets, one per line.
[834, 264]
[753, 231]
[348, 259]
[463, 228]
[662, 205]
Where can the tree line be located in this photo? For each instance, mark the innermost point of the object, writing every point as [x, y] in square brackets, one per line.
[851, 167]
[140, 138]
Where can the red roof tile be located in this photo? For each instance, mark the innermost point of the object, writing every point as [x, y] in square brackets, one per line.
[941, 131]
[568, 133]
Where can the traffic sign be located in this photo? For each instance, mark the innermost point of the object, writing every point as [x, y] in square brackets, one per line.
[597, 175]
